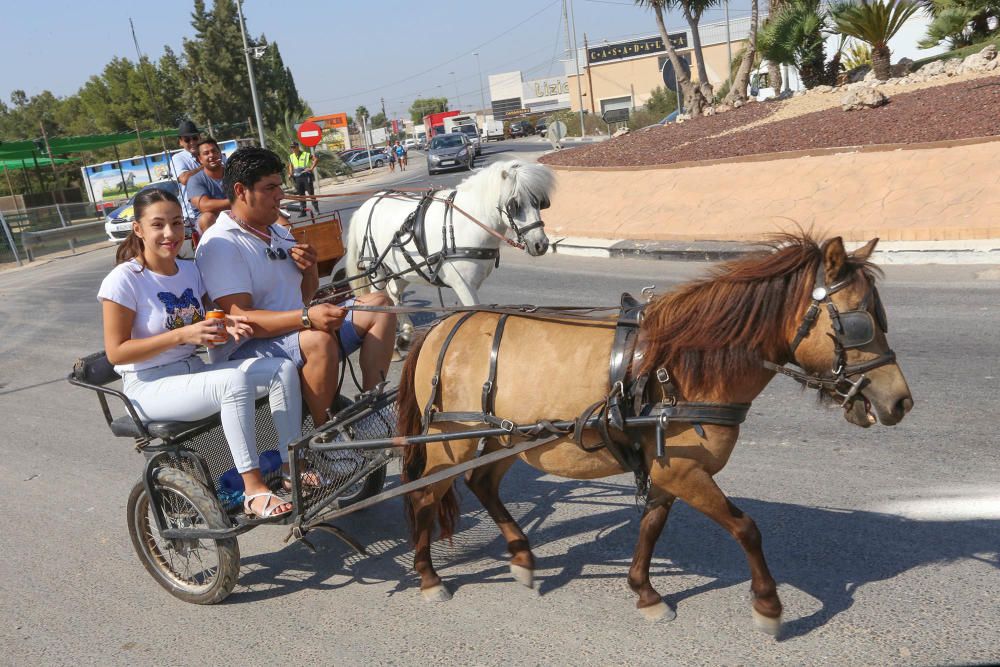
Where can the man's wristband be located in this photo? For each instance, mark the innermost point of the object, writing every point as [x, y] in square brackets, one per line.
[306, 322]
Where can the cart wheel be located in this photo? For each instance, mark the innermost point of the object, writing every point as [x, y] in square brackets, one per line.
[200, 571]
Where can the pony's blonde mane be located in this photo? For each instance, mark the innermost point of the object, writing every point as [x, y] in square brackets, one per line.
[526, 181]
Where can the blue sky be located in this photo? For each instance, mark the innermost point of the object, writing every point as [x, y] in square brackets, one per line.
[342, 53]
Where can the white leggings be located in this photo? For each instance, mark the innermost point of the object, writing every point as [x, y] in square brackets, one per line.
[189, 390]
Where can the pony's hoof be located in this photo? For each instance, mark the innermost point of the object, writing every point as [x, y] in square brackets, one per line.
[658, 612]
[523, 575]
[766, 624]
[436, 593]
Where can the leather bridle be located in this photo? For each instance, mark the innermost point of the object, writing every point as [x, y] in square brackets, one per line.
[851, 330]
[512, 208]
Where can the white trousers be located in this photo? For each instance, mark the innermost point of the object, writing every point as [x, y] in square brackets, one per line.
[189, 390]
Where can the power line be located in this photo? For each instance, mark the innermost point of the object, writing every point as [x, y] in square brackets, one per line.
[446, 62]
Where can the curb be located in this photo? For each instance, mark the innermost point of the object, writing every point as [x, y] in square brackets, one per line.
[985, 251]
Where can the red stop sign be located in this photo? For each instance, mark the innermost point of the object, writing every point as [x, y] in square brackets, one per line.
[310, 133]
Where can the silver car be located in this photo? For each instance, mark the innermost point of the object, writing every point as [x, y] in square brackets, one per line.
[360, 159]
[449, 151]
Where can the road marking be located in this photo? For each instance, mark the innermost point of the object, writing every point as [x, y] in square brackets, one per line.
[948, 505]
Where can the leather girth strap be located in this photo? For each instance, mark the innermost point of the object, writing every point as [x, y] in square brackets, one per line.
[436, 380]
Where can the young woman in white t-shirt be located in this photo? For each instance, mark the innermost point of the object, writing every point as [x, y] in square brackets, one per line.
[154, 317]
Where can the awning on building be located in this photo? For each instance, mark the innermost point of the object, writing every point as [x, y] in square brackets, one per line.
[17, 150]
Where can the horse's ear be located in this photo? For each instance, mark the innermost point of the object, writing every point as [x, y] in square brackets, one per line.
[834, 259]
[865, 251]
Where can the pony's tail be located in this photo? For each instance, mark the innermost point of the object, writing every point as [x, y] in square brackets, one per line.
[360, 285]
[415, 456]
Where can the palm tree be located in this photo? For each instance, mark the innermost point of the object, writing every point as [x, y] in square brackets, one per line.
[694, 97]
[327, 162]
[741, 78]
[794, 36]
[361, 114]
[875, 23]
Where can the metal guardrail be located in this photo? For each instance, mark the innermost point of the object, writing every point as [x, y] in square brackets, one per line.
[72, 233]
[23, 224]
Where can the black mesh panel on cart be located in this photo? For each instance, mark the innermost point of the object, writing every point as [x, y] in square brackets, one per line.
[214, 448]
[338, 469]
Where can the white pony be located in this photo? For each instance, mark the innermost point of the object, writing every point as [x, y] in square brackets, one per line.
[506, 196]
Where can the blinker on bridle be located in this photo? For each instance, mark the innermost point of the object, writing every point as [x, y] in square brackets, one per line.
[852, 329]
[514, 207]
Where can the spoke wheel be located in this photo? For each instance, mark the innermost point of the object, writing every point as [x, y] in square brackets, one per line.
[200, 571]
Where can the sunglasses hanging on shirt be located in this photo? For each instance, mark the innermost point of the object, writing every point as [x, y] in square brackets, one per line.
[271, 253]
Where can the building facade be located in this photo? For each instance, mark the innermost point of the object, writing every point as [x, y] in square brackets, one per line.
[622, 75]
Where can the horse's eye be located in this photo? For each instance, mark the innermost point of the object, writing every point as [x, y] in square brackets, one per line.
[513, 208]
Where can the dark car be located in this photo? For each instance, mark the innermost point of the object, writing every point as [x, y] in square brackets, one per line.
[449, 151]
[541, 126]
[521, 128]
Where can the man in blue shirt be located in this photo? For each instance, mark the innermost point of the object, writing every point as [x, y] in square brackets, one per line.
[184, 164]
[204, 189]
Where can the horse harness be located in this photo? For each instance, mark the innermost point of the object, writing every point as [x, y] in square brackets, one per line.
[609, 416]
[852, 329]
[414, 230]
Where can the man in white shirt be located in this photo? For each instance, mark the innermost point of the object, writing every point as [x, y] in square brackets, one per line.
[252, 266]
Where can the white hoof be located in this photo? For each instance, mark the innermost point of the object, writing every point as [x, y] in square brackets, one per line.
[436, 593]
[658, 612]
[523, 575]
[771, 626]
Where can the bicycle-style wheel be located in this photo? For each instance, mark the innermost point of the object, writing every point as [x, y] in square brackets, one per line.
[200, 571]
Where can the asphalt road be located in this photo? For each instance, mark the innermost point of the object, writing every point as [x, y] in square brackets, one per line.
[885, 542]
[416, 173]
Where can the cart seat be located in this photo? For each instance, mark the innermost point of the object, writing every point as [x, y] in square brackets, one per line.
[125, 427]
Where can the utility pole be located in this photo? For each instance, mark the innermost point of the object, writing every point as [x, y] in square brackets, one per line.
[253, 83]
[576, 59]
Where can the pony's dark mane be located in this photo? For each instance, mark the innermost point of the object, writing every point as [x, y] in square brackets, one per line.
[727, 323]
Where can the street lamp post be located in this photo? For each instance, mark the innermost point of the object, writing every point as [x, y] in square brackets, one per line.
[482, 96]
[253, 84]
[576, 58]
[455, 82]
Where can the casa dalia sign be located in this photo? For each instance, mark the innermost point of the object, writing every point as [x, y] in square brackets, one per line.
[636, 47]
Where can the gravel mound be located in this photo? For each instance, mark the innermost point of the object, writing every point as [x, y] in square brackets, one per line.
[961, 110]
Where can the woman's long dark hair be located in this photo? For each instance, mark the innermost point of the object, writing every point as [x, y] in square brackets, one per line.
[132, 247]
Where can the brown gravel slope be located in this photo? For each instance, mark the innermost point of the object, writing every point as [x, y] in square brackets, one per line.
[956, 111]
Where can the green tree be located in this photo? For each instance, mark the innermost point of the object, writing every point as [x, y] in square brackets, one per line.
[379, 120]
[425, 106]
[361, 115]
[875, 23]
[795, 36]
[959, 22]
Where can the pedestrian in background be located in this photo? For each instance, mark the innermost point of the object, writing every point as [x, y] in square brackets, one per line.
[300, 167]
[401, 156]
[391, 155]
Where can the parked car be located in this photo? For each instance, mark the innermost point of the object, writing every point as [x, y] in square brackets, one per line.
[118, 222]
[541, 126]
[521, 128]
[360, 160]
[449, 151]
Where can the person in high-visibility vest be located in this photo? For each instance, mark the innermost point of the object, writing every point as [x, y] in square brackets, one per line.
[300, 167]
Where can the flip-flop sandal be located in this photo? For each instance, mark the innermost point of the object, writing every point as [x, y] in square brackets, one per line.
[269, 511]
[310, 479]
